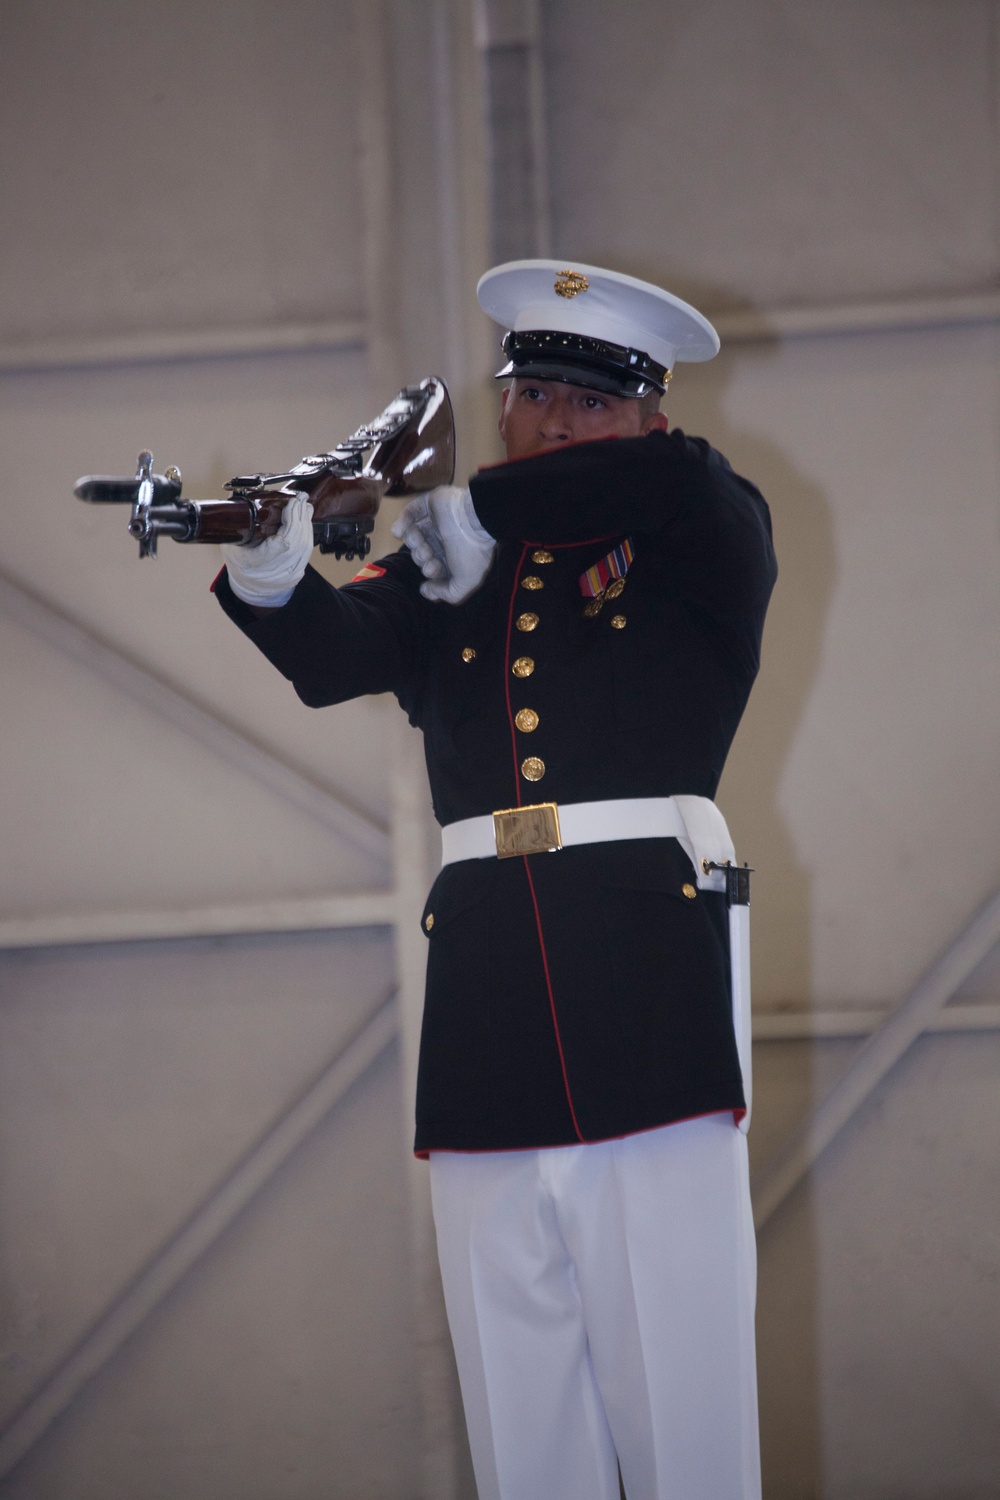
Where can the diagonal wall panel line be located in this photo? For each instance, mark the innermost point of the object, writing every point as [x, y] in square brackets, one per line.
[237, 749]
[190, 1242]
[876, 1057]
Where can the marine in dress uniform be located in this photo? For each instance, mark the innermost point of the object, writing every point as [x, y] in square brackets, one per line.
[579, 1078]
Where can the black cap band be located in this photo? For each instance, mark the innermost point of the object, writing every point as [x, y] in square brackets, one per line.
[574, 357]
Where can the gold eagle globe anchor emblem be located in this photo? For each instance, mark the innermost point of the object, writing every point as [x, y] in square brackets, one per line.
[570, 284]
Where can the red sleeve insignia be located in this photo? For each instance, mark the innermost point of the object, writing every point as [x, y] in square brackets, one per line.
[369, 571]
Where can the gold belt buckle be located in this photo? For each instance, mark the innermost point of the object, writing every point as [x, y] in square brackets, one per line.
[527, 830]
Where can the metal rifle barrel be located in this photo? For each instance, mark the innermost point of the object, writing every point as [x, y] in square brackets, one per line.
[201, 520]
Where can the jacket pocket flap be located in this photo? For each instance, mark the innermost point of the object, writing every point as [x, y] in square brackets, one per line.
[457, 890]
[658, 864]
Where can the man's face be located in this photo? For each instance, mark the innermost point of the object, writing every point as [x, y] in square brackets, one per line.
[537, 415]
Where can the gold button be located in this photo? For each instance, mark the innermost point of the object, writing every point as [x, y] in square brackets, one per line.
[531, 582]
[541, 556]
[526, 720]
[618, 622]
[689, 891]
[429, 921]
[594, 607]
[468, 653]
[614, 588]
[523, 667]
[532, 769]
[526, 621]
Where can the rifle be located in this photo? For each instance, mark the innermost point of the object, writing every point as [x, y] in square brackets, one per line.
[411, 448]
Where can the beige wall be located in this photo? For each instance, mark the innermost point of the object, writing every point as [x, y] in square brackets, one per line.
[778, 152]
[171, 168]
[295, 194]
[873, 734]
[133, 1077]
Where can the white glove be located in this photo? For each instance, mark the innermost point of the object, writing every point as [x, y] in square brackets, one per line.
[267, 574]
[446, 541]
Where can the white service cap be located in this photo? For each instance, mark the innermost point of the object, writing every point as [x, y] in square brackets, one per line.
[592, 326]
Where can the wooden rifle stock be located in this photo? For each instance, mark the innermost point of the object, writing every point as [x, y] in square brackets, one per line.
[410, 448]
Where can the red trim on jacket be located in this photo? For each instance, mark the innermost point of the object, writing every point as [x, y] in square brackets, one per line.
[552, 1002]
[602, 1140]
[609, 437]
[590, 541]
[527, 871]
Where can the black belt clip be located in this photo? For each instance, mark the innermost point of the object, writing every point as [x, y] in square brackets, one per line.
[737, 880]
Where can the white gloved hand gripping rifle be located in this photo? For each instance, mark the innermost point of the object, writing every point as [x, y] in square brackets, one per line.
[447, 543]
[266, 575]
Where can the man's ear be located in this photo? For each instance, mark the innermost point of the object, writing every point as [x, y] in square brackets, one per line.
[501, 420]
[655, 422]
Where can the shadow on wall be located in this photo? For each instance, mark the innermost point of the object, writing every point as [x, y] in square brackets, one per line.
[705, 402]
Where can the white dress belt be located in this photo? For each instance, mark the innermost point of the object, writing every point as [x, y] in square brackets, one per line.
[695, 821]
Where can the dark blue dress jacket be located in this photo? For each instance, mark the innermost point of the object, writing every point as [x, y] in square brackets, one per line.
[576, 995]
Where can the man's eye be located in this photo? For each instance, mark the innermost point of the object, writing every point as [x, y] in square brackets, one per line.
[531, 393]
[593, 403]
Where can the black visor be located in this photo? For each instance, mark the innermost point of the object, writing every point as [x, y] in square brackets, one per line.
[572, 357]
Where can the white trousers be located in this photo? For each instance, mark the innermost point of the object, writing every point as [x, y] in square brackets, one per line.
[601, 1305]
